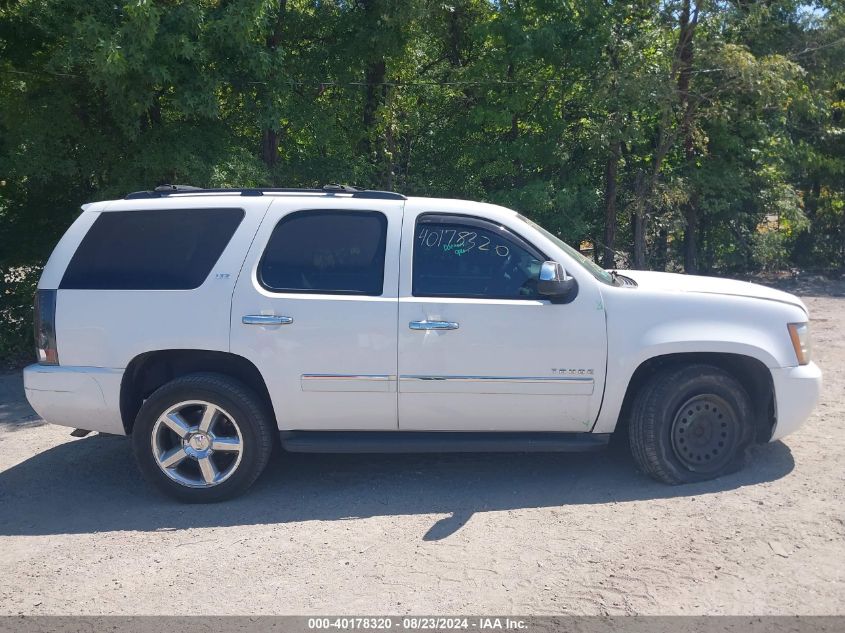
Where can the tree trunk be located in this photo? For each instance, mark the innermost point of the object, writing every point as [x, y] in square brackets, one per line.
[456, 33]
[842, 244]
[691, 236]
[706, 263]
[666, 135]
[270, 147]
[375, 91]
[641, 192]
[684, 57]
[388, 177]
[374, 96]
[661, 249]
[270, 135]
[638, 222]
[611, 169]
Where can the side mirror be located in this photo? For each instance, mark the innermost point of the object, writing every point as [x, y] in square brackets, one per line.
[555, 284]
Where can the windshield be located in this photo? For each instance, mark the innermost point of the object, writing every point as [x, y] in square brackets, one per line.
[594, 269]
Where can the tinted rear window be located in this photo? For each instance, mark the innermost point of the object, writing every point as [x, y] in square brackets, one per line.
[162, 249]
[327, 252]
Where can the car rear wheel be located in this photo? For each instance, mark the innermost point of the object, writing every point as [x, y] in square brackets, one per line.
[203, 438]
[690, 423]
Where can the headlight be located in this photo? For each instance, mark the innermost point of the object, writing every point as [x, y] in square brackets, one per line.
[800, 335]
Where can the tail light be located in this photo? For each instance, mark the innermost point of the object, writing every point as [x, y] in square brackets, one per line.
[45, 327]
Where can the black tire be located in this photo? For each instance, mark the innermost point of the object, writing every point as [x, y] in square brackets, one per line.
[690, 423]
[253, 422]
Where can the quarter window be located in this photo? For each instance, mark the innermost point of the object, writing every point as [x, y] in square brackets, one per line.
[159, 249]
[326, 252]
[457, 256]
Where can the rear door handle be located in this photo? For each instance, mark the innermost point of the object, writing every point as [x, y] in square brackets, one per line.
[433, 325]
[266, 319]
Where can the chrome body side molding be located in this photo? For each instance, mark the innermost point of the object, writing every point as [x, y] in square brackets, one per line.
[408, 383]
[383, 383]
[539, 385]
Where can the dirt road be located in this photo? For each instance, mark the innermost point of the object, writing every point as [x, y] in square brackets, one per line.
[81, 533]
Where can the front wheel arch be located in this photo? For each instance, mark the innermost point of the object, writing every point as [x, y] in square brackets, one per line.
[751, 373]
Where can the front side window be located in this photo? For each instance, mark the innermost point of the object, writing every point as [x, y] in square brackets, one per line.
[157, 249]
[326, 252]
[459, 256]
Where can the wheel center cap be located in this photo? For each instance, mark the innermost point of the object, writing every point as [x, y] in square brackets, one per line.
[199, 442]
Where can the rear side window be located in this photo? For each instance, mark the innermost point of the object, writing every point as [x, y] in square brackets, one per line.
[161, 249]
[326, 252]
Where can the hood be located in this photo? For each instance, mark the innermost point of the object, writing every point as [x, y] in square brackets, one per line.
[673, 282]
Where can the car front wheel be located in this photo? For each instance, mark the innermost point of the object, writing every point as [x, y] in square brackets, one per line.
[690, 423]
[202, 438]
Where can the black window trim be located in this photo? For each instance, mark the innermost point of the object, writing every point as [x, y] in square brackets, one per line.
[485, 223]
[301, 291]
[107, 211]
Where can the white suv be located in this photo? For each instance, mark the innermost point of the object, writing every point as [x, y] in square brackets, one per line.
[210, 324]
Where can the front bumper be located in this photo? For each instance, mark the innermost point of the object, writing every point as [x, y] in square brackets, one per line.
[80, 397]
[797, 391]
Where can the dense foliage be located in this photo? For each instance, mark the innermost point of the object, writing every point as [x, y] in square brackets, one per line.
[672, 134]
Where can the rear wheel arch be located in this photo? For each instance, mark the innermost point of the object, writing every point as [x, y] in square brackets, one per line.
[148, 371]
[750, 372]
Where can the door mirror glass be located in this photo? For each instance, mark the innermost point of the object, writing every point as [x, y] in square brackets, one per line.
[554, 284]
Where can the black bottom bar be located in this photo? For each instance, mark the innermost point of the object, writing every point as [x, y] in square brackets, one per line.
[440, 442]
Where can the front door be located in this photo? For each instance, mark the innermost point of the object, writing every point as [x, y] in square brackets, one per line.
[315, 310]
[479, 349]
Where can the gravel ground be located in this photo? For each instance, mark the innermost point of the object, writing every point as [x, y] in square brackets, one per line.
[81, 533]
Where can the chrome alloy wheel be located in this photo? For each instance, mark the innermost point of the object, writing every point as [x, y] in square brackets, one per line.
[197, 444]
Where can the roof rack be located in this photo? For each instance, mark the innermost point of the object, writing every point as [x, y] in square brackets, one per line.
[162, 191]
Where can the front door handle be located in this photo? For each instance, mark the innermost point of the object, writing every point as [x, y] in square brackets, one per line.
[266, 319]
[433, 325]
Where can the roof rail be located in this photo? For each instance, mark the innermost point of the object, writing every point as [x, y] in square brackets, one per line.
[162, 191]
[176, 188]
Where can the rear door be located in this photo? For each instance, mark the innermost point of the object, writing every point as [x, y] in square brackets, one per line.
[315, 310]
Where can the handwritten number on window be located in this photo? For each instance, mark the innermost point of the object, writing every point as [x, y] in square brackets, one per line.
[445, 240]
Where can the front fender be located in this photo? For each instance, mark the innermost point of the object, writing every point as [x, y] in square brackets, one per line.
[643, 326]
